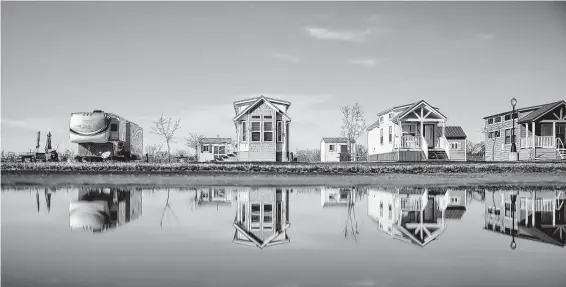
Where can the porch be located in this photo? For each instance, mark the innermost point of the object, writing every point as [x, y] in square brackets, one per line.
[428, 138]
[543, 128]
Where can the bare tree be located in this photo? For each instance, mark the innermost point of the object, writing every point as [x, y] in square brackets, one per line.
[308, 155]
[167, 207]
[151, 151]
[166, 127]
[351, 228]
[353, 124]
[487, 131]
[361, 152]
[193, 142]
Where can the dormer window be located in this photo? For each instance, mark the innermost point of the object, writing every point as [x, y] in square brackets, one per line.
[390, 115]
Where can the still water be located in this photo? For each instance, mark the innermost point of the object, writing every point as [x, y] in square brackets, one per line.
[283, 236]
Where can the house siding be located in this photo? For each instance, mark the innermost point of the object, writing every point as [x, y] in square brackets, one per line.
[458, 154]
[326, 155]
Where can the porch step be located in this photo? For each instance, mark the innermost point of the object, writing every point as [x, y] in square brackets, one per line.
[562, 153]
[437, 155]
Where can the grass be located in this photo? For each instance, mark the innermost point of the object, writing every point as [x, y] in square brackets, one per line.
[290, 168]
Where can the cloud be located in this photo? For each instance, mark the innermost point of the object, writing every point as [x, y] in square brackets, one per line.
[285, 57]
[339, 34]
[368, 62]
[485, 36]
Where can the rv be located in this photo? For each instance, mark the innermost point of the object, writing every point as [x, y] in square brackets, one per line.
[103, 135]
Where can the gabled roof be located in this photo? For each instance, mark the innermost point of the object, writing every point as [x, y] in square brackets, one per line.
[215, 140]
[273, 100]
[257, 101]
[414, 106]
[453, 132]
[335, 140]
[525, 109]
[253, 240]
[427, 239]
[404, 110]
[540, 112]
[530, 233]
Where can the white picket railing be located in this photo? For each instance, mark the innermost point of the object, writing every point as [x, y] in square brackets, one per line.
[540, 204]
[407, 141]
[545, 141]
[445, 145]
[410, 203]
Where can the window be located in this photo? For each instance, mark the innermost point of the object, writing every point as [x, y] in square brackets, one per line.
[114, 127]
[279, 131]
[390, 115]
[516, 115]
[455, 145]
[381, 135]
[256, 208]
[381, 119]
[267, 207]
[331, 147]
[507, 136]
[498, 119]
[490, 135]
[497, 134]
[267, 117]
[490, 121]
[267, 218]
[205, 148]
[255, 218]
[244, 132]
[267, 131]
[221, 149]
[390, 211]
[343, 194]
[256, 117]
[256, 131]
[508, 117]
[507, 209]
[454, 200]
[381, 208]
[390, 134]
[410, 130]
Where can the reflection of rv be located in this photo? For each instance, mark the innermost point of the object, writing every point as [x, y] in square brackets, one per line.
[262, 217]
[99, 209]
[336, 196]
[213, 196]
[411, 215]
[538, 216]
[104, 135]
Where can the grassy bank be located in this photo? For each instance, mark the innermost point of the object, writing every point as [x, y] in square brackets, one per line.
[289, 168]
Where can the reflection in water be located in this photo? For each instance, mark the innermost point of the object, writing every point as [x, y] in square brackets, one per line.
[534, 215]
[214, 196]
[413, 215]
[99, 209]
[262, 217]
[344, 197]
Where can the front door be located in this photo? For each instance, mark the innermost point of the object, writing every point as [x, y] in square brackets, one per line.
[344, 153]
[561, 132]
[429, 135]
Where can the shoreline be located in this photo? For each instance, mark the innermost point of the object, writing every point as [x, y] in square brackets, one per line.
[556, 179]
[333, 169]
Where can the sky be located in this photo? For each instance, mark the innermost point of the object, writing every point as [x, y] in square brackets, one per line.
[192, 60]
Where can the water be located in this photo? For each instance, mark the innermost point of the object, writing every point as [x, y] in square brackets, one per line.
[310, 236]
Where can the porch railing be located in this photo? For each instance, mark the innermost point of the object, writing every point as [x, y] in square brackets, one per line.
[444, 144]
[540, 141]
[411, 203]
[540, 204]
[407, 141]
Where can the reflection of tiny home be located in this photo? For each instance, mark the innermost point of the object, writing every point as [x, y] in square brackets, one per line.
[262, 217]
[333, 149]
[336, 196]
[99, 209]
[262, 126]
[409, 215]
[539, 215]
[540, 133]
[216, 149]
[213, 196]
[412, 132]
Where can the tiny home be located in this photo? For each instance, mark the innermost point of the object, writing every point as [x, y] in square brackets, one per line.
[336, 196]
[215, 149]
[540, 133]
[410, 215]
[262, 217]
[534, 215]
[216, 196]
[333, 149]
[457, 141]
[263, 129]
[412, 132]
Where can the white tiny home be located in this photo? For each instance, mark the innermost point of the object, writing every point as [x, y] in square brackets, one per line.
[331, 148]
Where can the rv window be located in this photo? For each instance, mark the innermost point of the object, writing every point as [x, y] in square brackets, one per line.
[114, 127]
[331, 147]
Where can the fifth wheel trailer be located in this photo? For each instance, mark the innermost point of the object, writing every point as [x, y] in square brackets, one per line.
[102, 135]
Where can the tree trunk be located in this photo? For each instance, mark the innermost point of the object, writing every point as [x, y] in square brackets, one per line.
[168, 152]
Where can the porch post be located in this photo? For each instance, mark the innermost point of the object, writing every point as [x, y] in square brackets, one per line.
[284, 153]
[553, 133]
[534, 141]
[444, 128]
[399, 132]
[526, 136]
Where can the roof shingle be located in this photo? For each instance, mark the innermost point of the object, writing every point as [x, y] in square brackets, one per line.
[453, 132]
[335, 140]
[215, 140]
